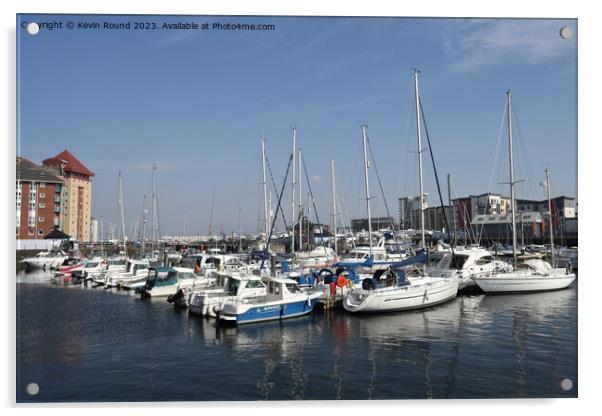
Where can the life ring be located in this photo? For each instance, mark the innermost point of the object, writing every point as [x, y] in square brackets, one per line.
[341, 281]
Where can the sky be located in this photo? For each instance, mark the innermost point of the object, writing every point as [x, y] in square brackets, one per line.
[197, 102]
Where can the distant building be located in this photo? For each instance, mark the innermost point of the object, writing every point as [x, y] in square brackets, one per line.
[77, 194]
[409, 211]
[378, 223]
[498, 227]
[38, 200]
[93, 230]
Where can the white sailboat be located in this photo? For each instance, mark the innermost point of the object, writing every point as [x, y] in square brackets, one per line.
[530, 275]
[392, 290]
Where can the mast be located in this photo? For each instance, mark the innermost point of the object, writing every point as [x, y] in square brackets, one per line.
[334, 205]
[120, 203]
[144, 221]
[416, 92]
[154, 217]
[211, 216]
[367, 187]
[512, 200]
[293, 191]
[265, 191]
[548, 190]
[102, 251]
[300, 205]
[452, 212]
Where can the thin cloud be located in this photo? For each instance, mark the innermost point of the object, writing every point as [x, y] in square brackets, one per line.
[480, 43]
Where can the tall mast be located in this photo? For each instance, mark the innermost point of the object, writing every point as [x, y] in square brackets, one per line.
[367, 187]
[265, 190]
[120, 203]
[212, 212]
[334, 205]
[419, 157]
[512, 201]
[293, 191]
[154, 219]
[452, 237]
[300, 204]
[549, 191]
[102, 251]
[144, 222]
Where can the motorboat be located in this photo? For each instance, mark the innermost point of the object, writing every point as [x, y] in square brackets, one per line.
[135, 269]
[230, 287]
[392, 290]
[317, 258]
[166, 281]
[466, 263]
[45, 260]
[284, 299]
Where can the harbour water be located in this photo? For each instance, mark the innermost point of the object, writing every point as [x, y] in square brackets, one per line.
[86, 344]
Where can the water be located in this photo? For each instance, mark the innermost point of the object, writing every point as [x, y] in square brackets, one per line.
[86, 344]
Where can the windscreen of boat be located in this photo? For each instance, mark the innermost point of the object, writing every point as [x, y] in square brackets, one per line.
[91, 265]
[232, 286]
[254, 284]
[116, 262]
[187, 276]
[293, 288]
[458, 261]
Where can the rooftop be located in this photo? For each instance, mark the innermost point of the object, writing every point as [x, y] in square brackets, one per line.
[70, 163]
[30, 172]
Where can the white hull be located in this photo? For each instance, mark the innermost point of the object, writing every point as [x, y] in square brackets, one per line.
[33, 263]
[431, 291]
[515, 282]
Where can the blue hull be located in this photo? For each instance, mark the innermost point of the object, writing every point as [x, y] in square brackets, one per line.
[273, 312]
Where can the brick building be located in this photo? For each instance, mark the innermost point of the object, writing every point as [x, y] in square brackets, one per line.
[38, 200]
[77, 194]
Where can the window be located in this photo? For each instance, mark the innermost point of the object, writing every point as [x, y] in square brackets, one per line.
[293, 288]
[42, 185]
[42, 205]
[40, 232]
[40, 219]
[30, 232]
[42, 195]
[253, 284]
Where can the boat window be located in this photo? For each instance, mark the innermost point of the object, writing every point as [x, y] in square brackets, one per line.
[271, 287]
[253, 284]
[276, 288]
[233, 262]
[213, 260]
[458, 261]
[187, 275]
[232, 286]
[90, 265]
[484, 260]
[170, 277]
[128, 267]
[293, 288]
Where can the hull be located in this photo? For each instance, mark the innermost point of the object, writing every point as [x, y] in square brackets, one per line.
[43, 263]
[401, 298]
[516, 283]
[249, 313]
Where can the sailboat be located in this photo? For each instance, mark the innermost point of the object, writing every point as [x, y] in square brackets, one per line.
[392, 289]
[533, 274]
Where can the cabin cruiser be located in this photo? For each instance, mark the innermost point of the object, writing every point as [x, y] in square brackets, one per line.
[466, 263]
[45, 260]
[284, 299]
[166, 281]
[134, 269]
[230, 287]
[381, 256]
[317, 258]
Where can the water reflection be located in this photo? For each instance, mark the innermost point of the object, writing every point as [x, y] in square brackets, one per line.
[477, 346]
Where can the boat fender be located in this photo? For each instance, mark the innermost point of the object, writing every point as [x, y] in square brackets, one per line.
[349, 283]
[341, 281]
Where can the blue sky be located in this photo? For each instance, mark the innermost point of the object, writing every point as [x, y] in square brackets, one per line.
[198, 102]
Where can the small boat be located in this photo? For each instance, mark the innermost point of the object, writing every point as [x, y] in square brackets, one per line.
[135, 270]
[284, 299]
[45, 260]
[166, 281]
[230, 287]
